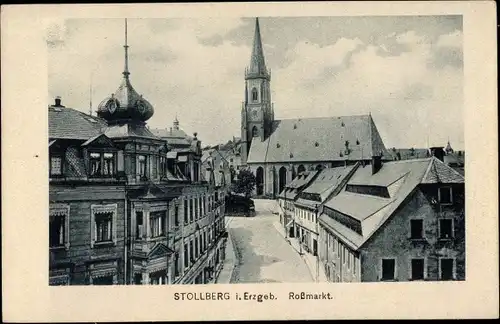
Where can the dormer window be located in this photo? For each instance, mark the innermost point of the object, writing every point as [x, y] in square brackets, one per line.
[102, 164]
[55, 165]
[255, 95]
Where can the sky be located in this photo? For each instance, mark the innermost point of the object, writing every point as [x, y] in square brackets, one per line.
[407, 71]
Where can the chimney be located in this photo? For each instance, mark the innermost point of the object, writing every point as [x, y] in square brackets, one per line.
[438, 152]
[376, 164]
[58, 101]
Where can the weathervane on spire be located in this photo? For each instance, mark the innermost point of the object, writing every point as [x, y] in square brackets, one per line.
[126, 73]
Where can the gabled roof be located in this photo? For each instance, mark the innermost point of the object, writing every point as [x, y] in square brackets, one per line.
[100, 139]
[400, 177]
[69, 123]
[319, 139]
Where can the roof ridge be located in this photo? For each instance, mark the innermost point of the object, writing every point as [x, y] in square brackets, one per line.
[426, 171]
[323, 117]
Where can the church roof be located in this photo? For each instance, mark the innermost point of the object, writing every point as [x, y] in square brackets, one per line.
[319, 139]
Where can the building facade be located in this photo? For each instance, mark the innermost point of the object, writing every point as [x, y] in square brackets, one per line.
[128, 206]
[399, 221]
[277, 150]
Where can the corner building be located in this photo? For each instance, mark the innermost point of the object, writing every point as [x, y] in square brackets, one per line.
[127, 206]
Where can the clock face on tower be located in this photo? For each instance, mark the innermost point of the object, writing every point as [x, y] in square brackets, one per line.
[254, 114]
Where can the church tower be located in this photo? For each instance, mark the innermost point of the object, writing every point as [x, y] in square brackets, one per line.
[257, 113]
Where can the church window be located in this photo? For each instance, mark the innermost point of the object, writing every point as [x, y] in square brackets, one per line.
[255, 131]
[255, 95]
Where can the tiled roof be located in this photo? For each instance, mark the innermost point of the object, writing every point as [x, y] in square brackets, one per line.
[328, 180]
[438, 172]
[172, 135]
[69, 123]
[373, 211]
[293, 188]
[408, 153]
[318, 139]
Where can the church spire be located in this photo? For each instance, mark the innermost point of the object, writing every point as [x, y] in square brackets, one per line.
[126, 73]
[257, 61]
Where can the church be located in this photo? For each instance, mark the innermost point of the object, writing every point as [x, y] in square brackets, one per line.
[277, 150]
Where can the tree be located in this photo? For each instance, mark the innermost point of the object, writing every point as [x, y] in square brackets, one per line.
[245, 183]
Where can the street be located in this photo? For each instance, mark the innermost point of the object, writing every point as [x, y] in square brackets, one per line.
[263, 255]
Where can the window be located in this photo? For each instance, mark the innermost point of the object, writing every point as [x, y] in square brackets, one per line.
[343, 254]
[196, 247]
[388, 269]
[57, 228]
[157, 223]
[446, 269]
[445, 195]
[354, 264]
[163, 166]
[445, 229]
[177, 271]
[196, 209]
[142, 165]
[417, 229]
[417, 269]
[109, 164]
[95, 164]
[186, 256]
[55, 165]
[102, 164]
[106, 280]
[348, 260]
[255, 95]
[204, 241]
[191, 210]
[159, 278]
[255, 131]
[137, 279]
[191, 252]
[103, 218]
[104, 224]
[139, 230]
[176, 215]
[186, 212]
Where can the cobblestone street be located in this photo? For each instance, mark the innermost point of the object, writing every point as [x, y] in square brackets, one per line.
[262, 254]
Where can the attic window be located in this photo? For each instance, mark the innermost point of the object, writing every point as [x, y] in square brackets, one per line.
[357, 142]
[278, 145]
[316, 144]
[91, 120]
[341, 154]
[291, 154]
[294, 126]
[57, 109]
[342, 124]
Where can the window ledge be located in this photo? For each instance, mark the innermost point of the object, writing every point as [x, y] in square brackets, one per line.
[420, 239]
[104, 243]
[445, 239]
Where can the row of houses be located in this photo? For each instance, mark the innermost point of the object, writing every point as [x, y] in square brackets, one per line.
[129, 205]
[399, 220]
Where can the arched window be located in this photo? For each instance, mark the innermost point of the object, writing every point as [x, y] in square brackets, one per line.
[301, 169]
[255, 131]
[255, 95]
[319, 167]
[282, 179]
[260, 181]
